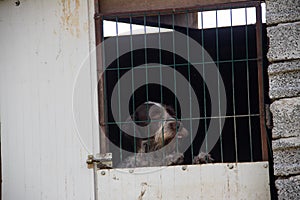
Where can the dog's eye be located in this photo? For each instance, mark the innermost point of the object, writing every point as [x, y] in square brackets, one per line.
[175, 125]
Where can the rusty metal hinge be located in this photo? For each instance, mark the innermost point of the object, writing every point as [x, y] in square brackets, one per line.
[102, 161]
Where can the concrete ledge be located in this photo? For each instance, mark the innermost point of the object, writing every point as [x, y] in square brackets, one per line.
[284, 42]
[286, 118]
[288, 188]
[282, 11]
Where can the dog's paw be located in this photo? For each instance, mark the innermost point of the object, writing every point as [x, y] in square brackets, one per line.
[174, 159]
[203, 158]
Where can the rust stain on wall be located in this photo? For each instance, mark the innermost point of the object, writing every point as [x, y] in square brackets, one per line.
[86, 26]
[70, 16]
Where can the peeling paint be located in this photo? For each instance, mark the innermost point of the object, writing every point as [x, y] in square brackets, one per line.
[86, 26]
[143, 190]
[199, 182]
[115, 178]
[70, 16]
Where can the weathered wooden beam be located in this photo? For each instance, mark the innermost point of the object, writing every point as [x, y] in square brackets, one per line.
[114, 7]
[100, 69]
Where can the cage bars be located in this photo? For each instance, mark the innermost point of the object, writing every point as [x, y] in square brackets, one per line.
[189, 79]
[118, 87]
[192, 118]
[204, 80]
[233, 87]
[219, 103]
[152, 66]
[174, 74]
[160, 78]
[132, 89]
[248, 86]
[204, 63]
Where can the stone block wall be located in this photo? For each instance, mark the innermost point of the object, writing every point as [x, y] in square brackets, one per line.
[283, 29]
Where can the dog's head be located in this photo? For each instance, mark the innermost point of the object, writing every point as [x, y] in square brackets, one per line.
[158, 127]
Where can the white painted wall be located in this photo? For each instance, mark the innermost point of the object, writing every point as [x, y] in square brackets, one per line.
[218, 181]
[42, 44]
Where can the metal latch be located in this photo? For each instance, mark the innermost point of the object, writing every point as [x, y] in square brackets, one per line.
[102, 161]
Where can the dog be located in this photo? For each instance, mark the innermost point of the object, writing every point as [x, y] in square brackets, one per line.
[157, 134]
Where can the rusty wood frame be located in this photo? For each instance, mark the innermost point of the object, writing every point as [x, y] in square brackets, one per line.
[100, 69]
[117, 7]
[259, 50]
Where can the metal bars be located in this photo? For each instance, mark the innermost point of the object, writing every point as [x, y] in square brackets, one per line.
[204, 80]
[219, 105]
[248, 91]
[189, 79]
[233, 87]
[235, 127]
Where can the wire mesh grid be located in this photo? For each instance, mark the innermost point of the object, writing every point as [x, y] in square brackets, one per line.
[232, 49]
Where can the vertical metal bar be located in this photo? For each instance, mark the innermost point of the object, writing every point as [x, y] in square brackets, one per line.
[147, 89]
[264, 136]
[161, 84]
[160, 78]
[100, 69]
[189, 78]
[119, 88]
[219, 103]
[204, 80]
[233, 86]
[174, 74]
[132, 89]
[248, 86]
[160, 60]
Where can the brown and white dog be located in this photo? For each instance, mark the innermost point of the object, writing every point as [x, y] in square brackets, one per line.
[157, 134]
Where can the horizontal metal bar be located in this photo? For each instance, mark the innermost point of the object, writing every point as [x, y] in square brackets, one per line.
[181, 64]
[186, 119]
[119, 7]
